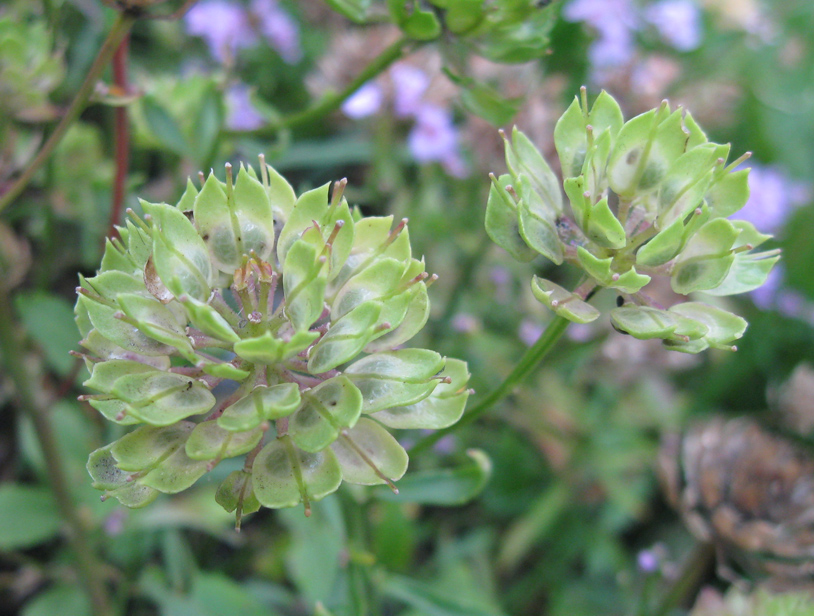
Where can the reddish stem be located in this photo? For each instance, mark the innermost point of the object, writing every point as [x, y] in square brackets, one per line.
[122, 134]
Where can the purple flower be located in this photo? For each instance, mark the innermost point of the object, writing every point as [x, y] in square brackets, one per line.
[772, 198]
[366, 101]
[772, 295]
[648, 561]
[465, 323]
[434, 138]
[615, 22]
[409, 85]
[678, 22]
[529, 332]
[223, 25]
[241, 113]
[279, 28]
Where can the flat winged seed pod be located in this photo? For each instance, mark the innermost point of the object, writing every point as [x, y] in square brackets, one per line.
[748, 491]
[300, 304]
[640, 199]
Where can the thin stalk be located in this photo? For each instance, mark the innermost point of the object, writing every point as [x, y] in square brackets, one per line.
[120, 28]
[689, 580]
[31, 401]
[531, 358]
[122, 135]
[332, 102]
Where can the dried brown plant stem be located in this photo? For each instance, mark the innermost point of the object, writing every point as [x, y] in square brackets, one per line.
[121, 135]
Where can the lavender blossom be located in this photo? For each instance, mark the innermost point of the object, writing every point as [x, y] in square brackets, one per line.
[773, 196]
[241, 113]
[434, 138]
[279, 29]
[615, 22]
[409, 85]
[677, 21]
[223, 25]
[365, 102]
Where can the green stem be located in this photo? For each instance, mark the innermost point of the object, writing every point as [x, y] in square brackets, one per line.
[31, 401]
[120, 28]
[531, 358]
[692, 575]
[332, 102]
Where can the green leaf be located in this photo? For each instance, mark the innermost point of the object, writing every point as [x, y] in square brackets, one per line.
[304, 278]
[562, 301]
[208, 124]
[263, 403]
[60, 598]
[209, 321]
[175, 473]
[115, 482]
[706, 259]
[208, 441]
[147, 446]
[155, 320]
[600, 269]
[415, 317]
[479, 98]
[281, 195]
[685, 184]
[284, 476]
[164, 127]
[28, 516]
[369, 455]
[463, 16]
[604, 228]
[310, 206]
[443, 487]
[570, 134]
[442, 408]
[327, 409]
[663, 247]
[355, 10]
[429, 601]
[729, 193]
[376, 282]
[643, 322]
[537, 226]
[180, 255]
[49, 320]
[724, 327]
[421, 25]
[524, 159]
[502, 221]
[346, 338]
[395, 378]
[162, 398]
[236, 491]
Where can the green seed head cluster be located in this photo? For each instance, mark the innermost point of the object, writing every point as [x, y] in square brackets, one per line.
[648, 197]
[247, 320]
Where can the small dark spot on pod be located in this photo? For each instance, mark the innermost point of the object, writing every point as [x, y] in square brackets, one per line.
[620, 301]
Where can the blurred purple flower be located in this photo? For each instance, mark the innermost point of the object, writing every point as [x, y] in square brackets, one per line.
[434, 138]
[366, 101]
[615, 22]
[228, 26]
[465, 323]
[529, 332]
[223, 25]
[241, 114]
[409, 85]
[647, 561]
[677, 21]
[279, 28]
[773, 196]
[772, 295]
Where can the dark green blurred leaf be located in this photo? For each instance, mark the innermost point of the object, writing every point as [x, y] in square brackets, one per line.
[355, 10]
[208, 124]
[430, 602]
[164, 127]
[449, 487]
[28, 516]
[49, 320]
[62, 599]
